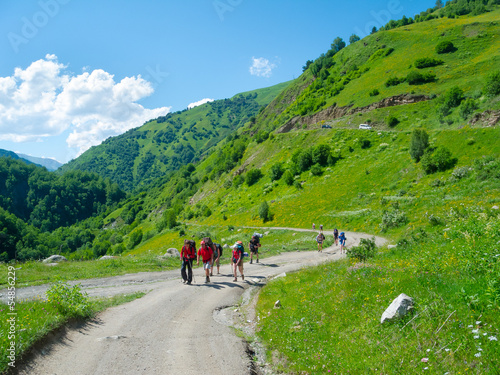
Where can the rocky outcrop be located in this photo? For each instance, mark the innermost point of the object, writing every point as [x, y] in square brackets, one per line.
[487, 118]
[334, 112]
[172, 252]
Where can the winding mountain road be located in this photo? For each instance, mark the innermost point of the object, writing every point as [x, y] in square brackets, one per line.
[173, 329]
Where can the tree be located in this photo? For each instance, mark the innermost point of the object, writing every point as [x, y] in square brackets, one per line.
[264, 211]
[308, 63]
[374, 30]
[276, 171]
[320, 154]
[353, 38]
[288, 177]
[492, 87]
[253, 175]
[418, 144]
[439, 4]
[338, 44]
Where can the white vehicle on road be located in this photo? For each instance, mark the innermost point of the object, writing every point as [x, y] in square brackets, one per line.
[364, 126]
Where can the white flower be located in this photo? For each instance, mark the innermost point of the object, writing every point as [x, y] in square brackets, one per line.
[470, 326]
[426, 368]
[428, 350]
[492, 338]
[484, 334]
[478, 322]
[475, 331]
[447, 350]
[476, 337]
[477, 355]
[479, 349]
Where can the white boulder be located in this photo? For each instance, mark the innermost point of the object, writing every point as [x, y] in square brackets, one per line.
[55, 258]
[398, 308]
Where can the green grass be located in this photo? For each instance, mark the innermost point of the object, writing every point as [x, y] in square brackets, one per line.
[36, 318]
[330, 316]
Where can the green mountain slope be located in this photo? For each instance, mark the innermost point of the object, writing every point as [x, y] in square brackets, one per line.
[144, 154]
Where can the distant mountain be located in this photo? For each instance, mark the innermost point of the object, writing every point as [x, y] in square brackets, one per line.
[144, 154]
[50, 164]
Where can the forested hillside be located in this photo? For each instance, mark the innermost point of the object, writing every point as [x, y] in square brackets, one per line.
[141, 155]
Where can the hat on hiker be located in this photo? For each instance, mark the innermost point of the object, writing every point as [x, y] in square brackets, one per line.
[202, 243]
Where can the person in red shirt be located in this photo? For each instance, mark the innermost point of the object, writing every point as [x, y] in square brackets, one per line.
[188, 253]
[237, 260]
[207, 256]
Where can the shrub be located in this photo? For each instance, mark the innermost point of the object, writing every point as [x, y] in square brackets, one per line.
[392, 121]
[276, 171]
[374, 92]
[366, 249]
[393, 218]
[427, 62]
[453, 97]
[70, 301]
[393, 81]
[288, 177]
[492, 86]
[253, 176]
[438, 161]
[364, 143]
[297, 185]
[467, 107]
[418, 144]
[264, 211]
[460, 172]
[418, 78]
[316, 170]
[135, 239]
[320, 154]
[445, 47]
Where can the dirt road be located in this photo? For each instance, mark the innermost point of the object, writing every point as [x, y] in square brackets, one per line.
[172, 329]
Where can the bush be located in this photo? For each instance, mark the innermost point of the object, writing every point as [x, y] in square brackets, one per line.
[427, 62]
[374, 92]
[365, 143]
[316, 170]
[445, 47]
[438, 161]
[288, 177]
[320, 154]
[366, 249]
[418, 78]
[394, 81]
[264, 211]
[492, 86]
[453, 97]
[297, 185]
[135, 239]
[418, 144]
[392, 121]
[393, 219]
[70, 301]
[276, 171]
[467, 107]
[253, 176]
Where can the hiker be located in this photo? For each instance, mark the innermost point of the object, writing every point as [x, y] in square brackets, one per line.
[207, 256]
[188, 253]
[336, 236]
[319, 239]
[218, 254]
[211, 245]
[342, 240]
[321, 227]
[254, 245]
[237, 260]
[314, 226]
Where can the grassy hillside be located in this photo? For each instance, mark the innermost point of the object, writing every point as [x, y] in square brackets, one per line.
[144, 154]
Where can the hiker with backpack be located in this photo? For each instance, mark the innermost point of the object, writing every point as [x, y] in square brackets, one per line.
[319, 239]
[211, 245]
[336, 236]
[188, 253]
[342, 240]
[207, 256]
[218, 255]
[237, 260]
[254, 245]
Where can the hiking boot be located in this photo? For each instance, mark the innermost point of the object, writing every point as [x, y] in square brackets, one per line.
[243, 277]
[251, 261]
[235, 279]
[189, 282]
[207, 279]
[257, 261]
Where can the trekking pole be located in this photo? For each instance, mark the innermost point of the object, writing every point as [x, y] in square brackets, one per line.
[192, 273]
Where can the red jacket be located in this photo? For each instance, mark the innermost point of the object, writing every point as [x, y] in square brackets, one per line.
[205, 253]
[188, 252]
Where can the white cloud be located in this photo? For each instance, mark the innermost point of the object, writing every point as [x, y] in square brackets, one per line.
[43, 100]
[199, 102]
[261, 67]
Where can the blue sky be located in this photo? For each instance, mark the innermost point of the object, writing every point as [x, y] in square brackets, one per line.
[75, 72]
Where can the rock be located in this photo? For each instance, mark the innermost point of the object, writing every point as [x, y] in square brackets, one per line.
[104, 257]
[398, 308]
[55, 258]
[280, 275]
[494, 208]
[266, 233]
[51, 264]
[391, 246]
[277, 304]
[172, 253]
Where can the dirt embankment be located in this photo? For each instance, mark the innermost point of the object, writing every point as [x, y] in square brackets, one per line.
[334, 112]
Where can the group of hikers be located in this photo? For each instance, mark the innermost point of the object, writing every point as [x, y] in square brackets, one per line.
[211, 253]
[338, 238]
